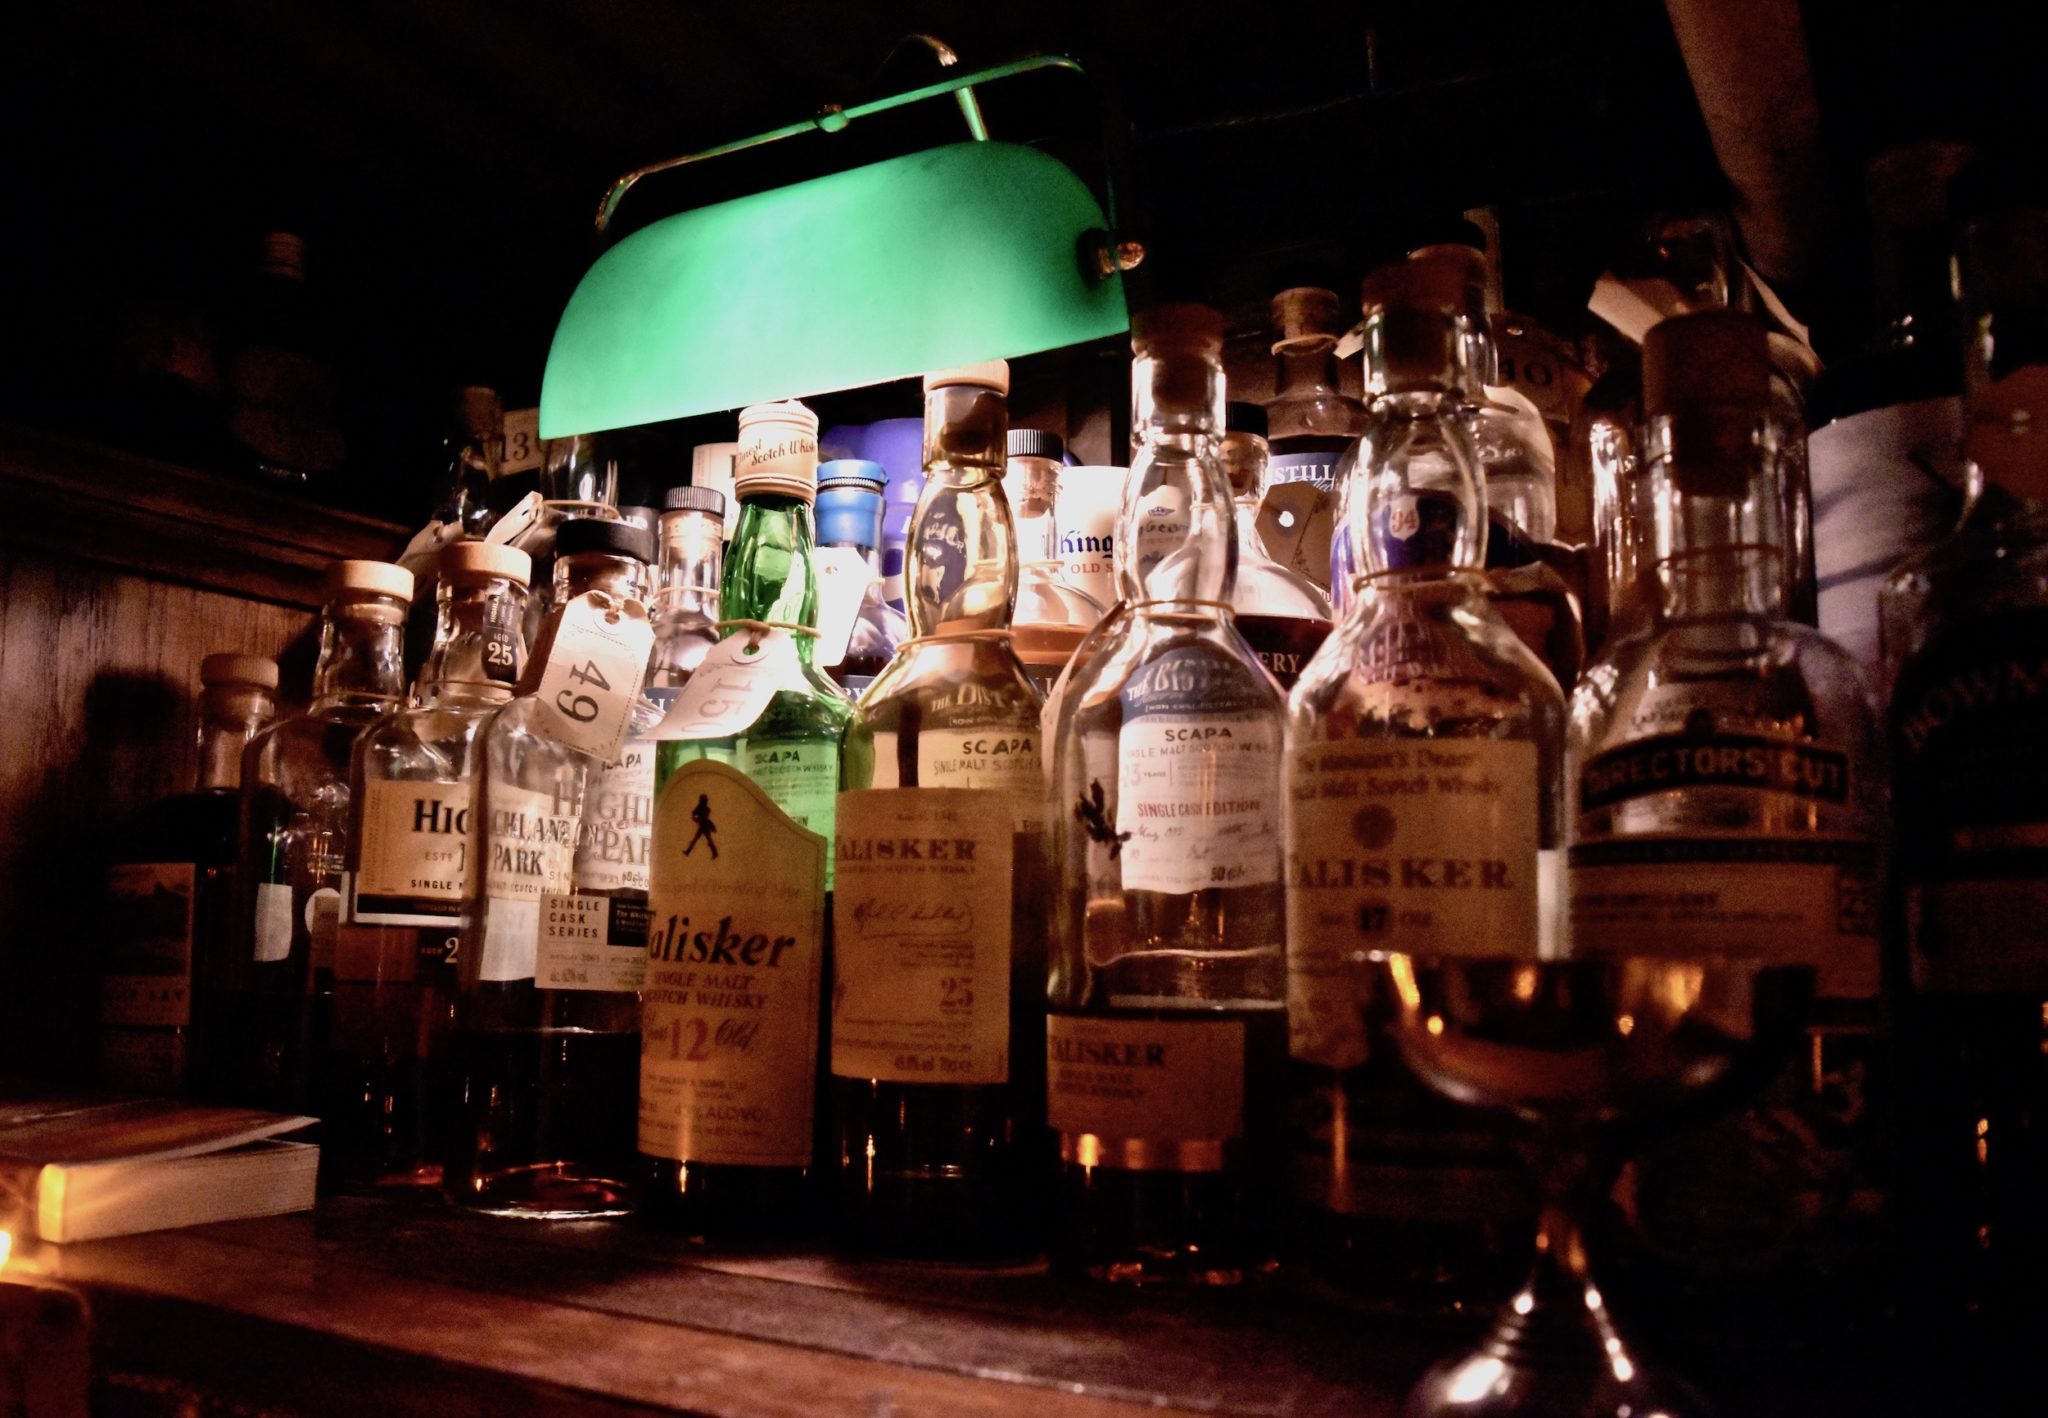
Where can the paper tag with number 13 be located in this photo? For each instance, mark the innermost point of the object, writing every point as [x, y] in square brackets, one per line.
[594, 673]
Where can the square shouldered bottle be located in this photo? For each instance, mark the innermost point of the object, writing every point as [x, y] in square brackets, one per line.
[747, 769]
[1728, 801]
[1166, 1029]
[294, 844]
[1425, 816]
[548, 1010]
[938, 990]
[171, 897]
[388, 1085]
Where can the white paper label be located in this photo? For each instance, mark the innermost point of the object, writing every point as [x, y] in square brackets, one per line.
[273, 921]
[618, 815]
[1000, 760]
[511, 936]
[579, 948]
[732, 685]
[522, 442]
[594, 672]
[530, 845]
[844, 576]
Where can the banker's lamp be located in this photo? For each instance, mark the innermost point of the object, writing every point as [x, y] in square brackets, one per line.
[977, 250]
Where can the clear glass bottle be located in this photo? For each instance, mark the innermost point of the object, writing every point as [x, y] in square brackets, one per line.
[1052, 615]
[849, 562]
[691, 535]
[938, 995]
[548, 1011]
[470, 456]
[1311, 423]
[740, 879]
[171, 899]
[1166, 992]
[1425, 815]
[1280, 612]
[294, 844]
[388, 1085]
[1729, 801]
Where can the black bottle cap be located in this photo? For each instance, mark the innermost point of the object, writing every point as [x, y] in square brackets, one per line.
[1036, 443]
[591, 534]
[1241, 417]
[689, 498]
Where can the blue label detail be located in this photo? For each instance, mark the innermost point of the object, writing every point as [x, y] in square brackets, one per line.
[1317, 468]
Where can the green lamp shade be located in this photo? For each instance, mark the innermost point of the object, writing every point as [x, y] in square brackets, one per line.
[941, 258]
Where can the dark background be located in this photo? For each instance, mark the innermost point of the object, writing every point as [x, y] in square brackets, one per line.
[444, 157]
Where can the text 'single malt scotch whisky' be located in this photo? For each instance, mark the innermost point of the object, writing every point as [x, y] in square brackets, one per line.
[1425, 816]
[548, 1014]
[294, 843]
[938, 1003]
[747, 769]
[389, 1078]
[1167, 1031]
[171, 898]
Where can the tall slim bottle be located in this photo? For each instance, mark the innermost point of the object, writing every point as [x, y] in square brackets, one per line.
[691, 534]
[294, 842]
[938, 1003]
[548, 1013]
[171, 899]
[1280, 612]
[747, 774]
[1311, 423]
[1425, 815]
[389, 1079]
[1167, 1031]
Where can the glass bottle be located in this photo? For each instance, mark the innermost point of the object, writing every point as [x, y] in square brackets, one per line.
[1965, 626]
[747, 773]
[281, 386]
[294, 843]
[470, 458]
[851, 611]
[1086, 513]
[1280, 612]
[548, 1011]
[1425, 815]
[1310, 421]
[1166, 1035]
[171, 900]
[691, 534]
[1728, 801]
[388, 1086]
[1052, 615]
[938, 994]
[1032, 459]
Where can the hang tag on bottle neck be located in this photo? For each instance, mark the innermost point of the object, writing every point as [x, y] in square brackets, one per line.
[595, 668]
[733, 684]
[844, 576]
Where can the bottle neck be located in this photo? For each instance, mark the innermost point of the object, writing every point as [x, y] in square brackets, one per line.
[692, 556]
[479, 642]
[768, 571]
[1712, 491]
[1177, 537]
[362, 652]
[962, 544]
[229, 716]
[623, 578]
[1306, 367]
[1414, 503]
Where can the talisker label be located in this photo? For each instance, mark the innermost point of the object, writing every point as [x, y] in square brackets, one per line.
[1673, 761]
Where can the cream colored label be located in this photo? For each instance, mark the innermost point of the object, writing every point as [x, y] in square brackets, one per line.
[618, 821]
[1195, 802]
[729, 1011]
[1426, 846]
[530, 845]
[921, 950]
[1153, 1079]
[146, 972]
[575, 950]
[413, 855]
[1792, 900]
[999, 760]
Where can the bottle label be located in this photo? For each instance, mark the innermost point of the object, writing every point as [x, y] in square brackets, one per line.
[921, 945]
[146, 974]
[1284, 643]
[995, 759]
[844, 576]
[803, 780]
[1198, 776]
[412, 859]
[1425, 846]
[1164, 518]
[596, 664]
[1318, 469]
[530, 854]
[729, 1016]
[273, 932]
[1418, 528]
[1086, 518]
[618, 821]
[1135, 1092]
[1674, 762]
[591, 943]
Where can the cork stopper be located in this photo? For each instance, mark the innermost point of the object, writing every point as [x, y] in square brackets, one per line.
[1709, 373]
[989, 374]
[479, 412]
[1415, 340]
[1306, 319]
[254, 671]
[1183, 328]
[778, 451]
[369, 578]
[479, 563]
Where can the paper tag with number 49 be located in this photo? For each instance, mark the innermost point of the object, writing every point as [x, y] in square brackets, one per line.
[594, 672]
[732, 685]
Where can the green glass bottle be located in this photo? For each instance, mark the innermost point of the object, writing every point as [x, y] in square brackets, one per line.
[747, 768]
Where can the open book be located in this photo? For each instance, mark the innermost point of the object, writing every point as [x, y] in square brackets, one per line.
[76, 1169]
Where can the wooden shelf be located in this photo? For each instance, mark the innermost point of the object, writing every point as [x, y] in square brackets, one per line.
[80, 500]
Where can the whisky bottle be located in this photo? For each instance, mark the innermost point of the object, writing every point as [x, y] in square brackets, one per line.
[388, 1083]
[170, 896]
[1311, 424]
[857, 630]
[1425, 816]
[1727, 802]
[1966, 630]
[470, 458]
[293, 838]
[1052, 614]
[1166, 1035]
[938, 991]
[1280, 612]
[547, 1012]
[691, 533]
[747, 773]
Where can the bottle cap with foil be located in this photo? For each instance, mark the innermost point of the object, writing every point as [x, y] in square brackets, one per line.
[778, 451]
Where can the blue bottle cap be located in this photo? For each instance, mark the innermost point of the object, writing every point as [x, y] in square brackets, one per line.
[853, 472]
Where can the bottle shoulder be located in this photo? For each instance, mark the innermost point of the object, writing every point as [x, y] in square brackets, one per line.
[1151, 661]
[948, 683]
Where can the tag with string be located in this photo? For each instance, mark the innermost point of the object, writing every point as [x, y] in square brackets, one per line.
[734, 681]
[843, 580]
[595, 668]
